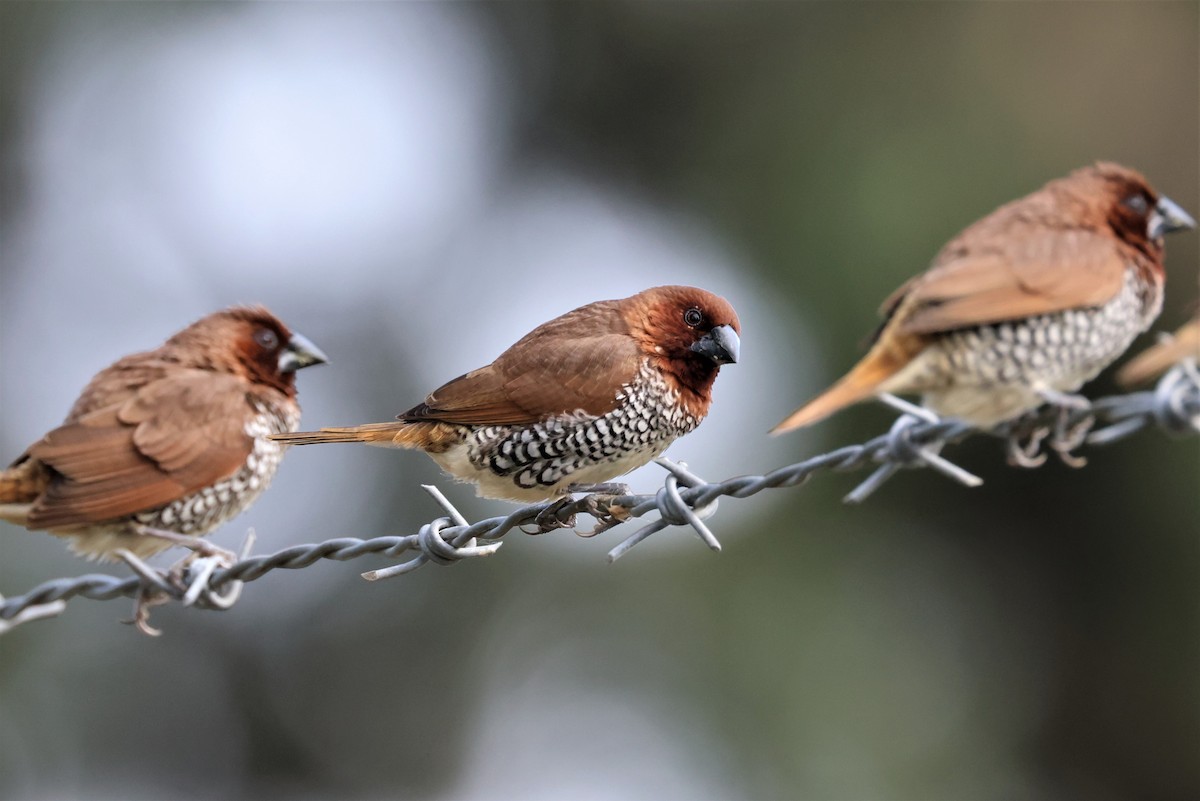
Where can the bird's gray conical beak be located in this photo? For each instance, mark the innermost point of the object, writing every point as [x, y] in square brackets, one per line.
[1168, 217]
[720, 344]
[300, 352]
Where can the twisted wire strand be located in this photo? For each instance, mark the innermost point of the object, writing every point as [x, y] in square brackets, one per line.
[685, 499]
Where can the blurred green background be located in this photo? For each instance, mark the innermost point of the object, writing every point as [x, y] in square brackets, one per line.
[413, 186]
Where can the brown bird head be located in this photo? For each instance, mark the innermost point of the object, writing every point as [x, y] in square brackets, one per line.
[688, 333]
[247, 341]
[1127, 204]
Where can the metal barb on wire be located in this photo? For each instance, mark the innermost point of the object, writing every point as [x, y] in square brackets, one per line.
[673, 508]
[33, 612]
[902, 451]
[685, 499]
[434, 545]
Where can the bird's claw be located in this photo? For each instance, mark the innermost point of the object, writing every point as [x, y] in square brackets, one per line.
[1068, 436]
[606, 511]
[1073, 421]
[142, 604]
[1027, 454]
[598, 502]
[551, 518]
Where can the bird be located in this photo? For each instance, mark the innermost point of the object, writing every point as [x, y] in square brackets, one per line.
[1157, 359]
[164, 446]
[579, 400]
[1023, 306]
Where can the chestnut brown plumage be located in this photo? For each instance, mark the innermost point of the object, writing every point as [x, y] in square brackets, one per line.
[173, 439]
[1157, 359]
[1029, 302]
[579, 400]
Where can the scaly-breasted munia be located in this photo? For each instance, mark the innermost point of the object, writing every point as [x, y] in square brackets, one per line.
[171, 440]
[1023, 306]
[579, 400]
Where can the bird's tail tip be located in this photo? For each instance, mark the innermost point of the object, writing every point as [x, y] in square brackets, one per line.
[806, 415]
[863, 381]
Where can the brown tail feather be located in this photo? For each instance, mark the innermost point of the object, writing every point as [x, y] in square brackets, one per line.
[1152, 363]
[23, 482]
[398, 434]
[886, 359]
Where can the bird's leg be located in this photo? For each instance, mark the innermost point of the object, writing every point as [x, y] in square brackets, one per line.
[614, 488]
[154, 590]
[195, 544]
[1067, 436]
[1063, 400]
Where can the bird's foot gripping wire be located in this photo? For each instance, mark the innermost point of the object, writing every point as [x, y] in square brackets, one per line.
[1073, 421]
[188, 580]
[195, 572]
[610, 509]
[903, 451]
[601, 501]
[1023, 446]
[155, 589]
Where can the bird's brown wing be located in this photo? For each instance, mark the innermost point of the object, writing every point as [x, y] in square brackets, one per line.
[1029, 271]
[172, 438]
[540, 376]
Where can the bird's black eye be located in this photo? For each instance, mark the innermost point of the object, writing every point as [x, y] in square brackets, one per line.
[693, 317]
[266, 338]
[1137, 204]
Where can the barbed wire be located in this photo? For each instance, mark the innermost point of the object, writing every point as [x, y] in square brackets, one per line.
[685, 499]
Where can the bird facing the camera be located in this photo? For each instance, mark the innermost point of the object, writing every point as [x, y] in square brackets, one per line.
[1028, 303]
[172, 440]
[581, 399]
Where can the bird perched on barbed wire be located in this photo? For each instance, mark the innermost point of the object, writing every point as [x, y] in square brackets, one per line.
[1160, 357]
[581, 399]
[164, 446]
[1023, 306]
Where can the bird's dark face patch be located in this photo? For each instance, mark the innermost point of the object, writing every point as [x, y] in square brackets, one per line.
[1131, 202]
[261, 349]
[689, 333]
[680, 317]
[256, 338]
